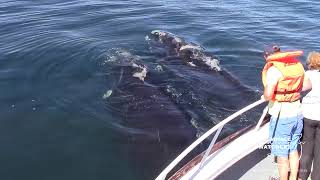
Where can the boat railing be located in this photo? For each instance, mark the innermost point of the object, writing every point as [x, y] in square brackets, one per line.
[217, 128]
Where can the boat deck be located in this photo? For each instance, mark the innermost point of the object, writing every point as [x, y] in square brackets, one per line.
[257, 165]
[244, 147]
[242, 155]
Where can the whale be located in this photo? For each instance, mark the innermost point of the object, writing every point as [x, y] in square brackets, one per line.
[206, 90]
[194, 55]
[190, 52]
[164, 105]
[149, 122]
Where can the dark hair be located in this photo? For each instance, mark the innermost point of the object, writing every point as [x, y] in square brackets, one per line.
[270, 51]
[276, 49]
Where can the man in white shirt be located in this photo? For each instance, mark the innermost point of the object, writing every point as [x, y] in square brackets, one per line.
[283, 79]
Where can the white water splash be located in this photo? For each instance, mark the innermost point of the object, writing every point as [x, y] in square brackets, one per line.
[173, 92]
[107, 94]
[142, 73]
[212, 63]
[158, 68]
[147, 38]
[195, 124]
[190, 47]
[192, 64]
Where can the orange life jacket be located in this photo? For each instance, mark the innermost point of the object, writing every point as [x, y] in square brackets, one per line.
[290, 85]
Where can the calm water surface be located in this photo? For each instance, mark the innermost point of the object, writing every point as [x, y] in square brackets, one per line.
[70, 107]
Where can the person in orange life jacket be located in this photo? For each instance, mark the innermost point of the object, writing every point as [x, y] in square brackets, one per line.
[282, 78]
[310, 155]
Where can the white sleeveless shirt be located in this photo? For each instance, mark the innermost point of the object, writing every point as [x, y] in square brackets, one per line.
[311, 102]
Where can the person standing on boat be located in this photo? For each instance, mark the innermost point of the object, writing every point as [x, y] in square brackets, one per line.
[311, 112]
[282, 78]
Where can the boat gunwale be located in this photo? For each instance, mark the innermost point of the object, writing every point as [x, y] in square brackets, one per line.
[222, 143]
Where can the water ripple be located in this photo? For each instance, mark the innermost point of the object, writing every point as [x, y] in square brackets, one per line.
[54, 71]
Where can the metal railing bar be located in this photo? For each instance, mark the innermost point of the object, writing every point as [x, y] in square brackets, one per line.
[208, 151]
[164, 173]
[264, 113]
[210, 146]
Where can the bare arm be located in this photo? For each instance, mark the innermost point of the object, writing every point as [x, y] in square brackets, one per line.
[306, 84]
[273, 76]
[268, 92]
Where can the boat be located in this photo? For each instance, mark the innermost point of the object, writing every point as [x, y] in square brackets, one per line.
[244, 154]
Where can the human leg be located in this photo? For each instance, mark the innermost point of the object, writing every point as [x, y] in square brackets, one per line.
[315, 174]
[283, 167]
[307, 147]
[294, 164]
[294, 157]
[280, 134]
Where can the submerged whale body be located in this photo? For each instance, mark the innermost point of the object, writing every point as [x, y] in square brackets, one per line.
[195, 55]
[153, 125]
[162, 111]
[192, 53]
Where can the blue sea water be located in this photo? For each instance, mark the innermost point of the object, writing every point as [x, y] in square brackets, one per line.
[70, 107]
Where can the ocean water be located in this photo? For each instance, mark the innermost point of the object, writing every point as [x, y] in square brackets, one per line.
[85, 94]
